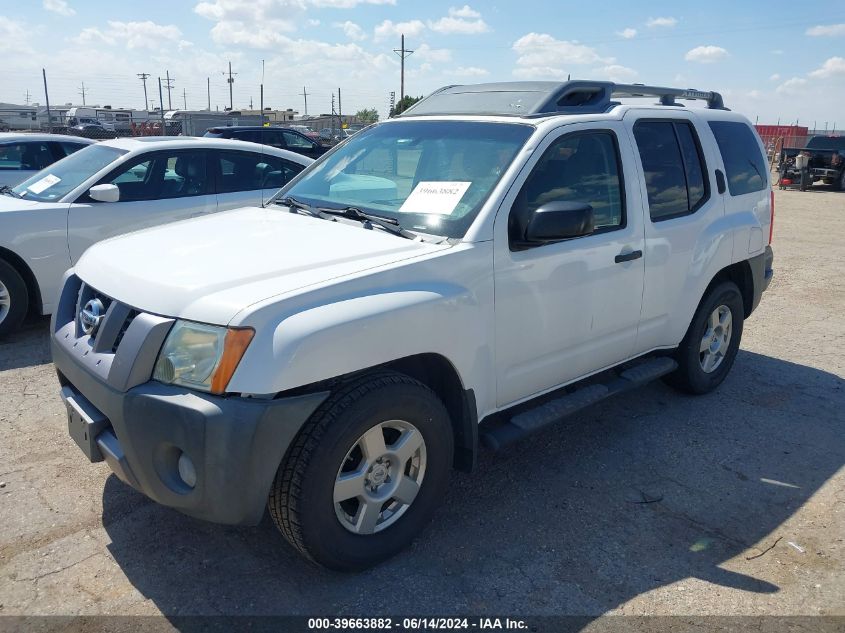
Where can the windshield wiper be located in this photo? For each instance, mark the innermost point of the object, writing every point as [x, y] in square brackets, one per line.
[6, 189]
[390, 225]
[295, 205]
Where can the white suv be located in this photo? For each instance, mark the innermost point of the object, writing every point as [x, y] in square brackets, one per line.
[443, 278]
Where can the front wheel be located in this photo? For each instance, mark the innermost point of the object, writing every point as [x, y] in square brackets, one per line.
[14, 298]
[708, 350]
[366, 472]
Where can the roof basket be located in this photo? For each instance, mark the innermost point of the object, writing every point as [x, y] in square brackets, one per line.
[541, 98]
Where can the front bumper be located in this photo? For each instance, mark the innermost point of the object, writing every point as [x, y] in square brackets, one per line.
[235, 443]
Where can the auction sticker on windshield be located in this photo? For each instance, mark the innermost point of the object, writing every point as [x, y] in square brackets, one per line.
[45, 183]
[435, 197]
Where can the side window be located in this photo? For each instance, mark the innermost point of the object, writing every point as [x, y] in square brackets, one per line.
[33, 156]
[10, 157]
[297, 141]
[745, 167]
[581, 167]
[253, 136]
[273, 138]
[161, 176]
[247, 171]
[673, 167]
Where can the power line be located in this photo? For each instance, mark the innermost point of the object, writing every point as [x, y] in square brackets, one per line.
[143, 77]
[403, 53]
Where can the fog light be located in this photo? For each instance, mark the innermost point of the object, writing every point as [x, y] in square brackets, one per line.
[187, 471]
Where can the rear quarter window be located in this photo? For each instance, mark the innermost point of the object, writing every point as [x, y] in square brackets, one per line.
[745, 166]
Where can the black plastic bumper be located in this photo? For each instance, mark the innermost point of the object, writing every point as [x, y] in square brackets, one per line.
[761, 272]
[235, 444]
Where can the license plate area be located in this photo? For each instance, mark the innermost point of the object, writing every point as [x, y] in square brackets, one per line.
[84, 423]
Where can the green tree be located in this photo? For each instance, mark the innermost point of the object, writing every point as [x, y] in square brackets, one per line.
[367, 115]
[404, 103]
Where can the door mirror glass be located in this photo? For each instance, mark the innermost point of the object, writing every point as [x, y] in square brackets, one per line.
[555, 221]
[104, 193]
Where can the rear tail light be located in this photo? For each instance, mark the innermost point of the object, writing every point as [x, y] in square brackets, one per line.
[772, 211]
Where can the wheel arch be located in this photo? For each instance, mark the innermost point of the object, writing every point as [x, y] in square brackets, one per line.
[16, 262]
[740, 274]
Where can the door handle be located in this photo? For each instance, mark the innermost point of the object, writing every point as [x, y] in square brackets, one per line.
[628, 257]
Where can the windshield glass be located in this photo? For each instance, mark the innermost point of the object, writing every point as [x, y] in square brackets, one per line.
[431, 176]
[54, 182]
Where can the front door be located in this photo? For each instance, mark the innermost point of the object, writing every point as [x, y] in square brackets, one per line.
[155, 188]
[569, 308]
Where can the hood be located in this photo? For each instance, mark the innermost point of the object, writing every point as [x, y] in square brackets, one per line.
[10, 203]
[208, 269]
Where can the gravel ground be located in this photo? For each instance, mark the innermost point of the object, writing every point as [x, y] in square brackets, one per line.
[746, 489]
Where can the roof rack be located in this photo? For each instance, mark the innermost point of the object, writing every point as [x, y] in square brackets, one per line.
[541, 98]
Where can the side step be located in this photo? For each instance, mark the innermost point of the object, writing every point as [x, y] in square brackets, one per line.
[551, 411]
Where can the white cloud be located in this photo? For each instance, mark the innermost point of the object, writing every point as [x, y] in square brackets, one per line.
[754, 94]
[667, 22]
[346, 4]
[542, 56]
[791, 86]
[615, 72]
[706, 54]
[313, 22]
[833, 67]
[59, 6]
[428, 54]
[827, 30]
[775, 77]
[390, 29]
[351, 30]
[133, 35]
[14, 36]
[464, 20]
[470, 71]
[627, 33]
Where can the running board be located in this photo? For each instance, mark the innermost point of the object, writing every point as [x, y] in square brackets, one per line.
[526, 422]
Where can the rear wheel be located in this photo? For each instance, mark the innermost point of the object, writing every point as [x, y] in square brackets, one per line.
[14, 298]
[366, 472]
[708, 350]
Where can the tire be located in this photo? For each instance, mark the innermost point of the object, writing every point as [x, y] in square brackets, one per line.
[700, 372]
[14, 298]
[318, 517]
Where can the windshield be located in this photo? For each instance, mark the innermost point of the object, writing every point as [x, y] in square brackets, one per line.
[57, 180]
[430, 176]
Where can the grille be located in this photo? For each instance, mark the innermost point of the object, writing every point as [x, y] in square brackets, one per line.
[126, 323]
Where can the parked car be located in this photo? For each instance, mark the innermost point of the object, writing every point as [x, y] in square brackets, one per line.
[307, 131]
[92, 130]
[827, 161]
[437, 279]
[22, 155]
[283, 138]
[112, 187]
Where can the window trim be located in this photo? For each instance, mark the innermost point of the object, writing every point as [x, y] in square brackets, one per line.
[623, 199]
[705, 172]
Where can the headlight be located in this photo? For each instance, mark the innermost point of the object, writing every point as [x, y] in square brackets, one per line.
[201, 356]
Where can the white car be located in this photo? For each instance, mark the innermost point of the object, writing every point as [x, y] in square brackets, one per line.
[22, 155]
[117, 186]
[493, 259]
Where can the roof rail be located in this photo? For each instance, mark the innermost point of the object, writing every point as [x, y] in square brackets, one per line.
[541, 98]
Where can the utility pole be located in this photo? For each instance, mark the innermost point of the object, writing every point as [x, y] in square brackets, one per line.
[333, 114]
[47, 99]
[250, 103]
[27, 96]
[169, 86]
[403, 53]
[161, 109]
[261, 98]
[208, 88]
[82, 92]
[185, 98]
[305, 97]
[392, 107]
[143, 77]
[339, 109]
[230, 81]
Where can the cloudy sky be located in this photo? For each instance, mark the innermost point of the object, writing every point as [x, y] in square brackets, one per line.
[768, 59]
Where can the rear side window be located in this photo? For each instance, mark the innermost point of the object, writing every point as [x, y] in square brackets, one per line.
[744, 163]
[32, 156]
[245, 171]
[673, 166]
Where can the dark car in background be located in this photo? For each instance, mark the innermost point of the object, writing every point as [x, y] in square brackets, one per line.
[281, 137]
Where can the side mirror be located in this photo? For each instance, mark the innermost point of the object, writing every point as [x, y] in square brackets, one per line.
[104, 193]
[557, 221]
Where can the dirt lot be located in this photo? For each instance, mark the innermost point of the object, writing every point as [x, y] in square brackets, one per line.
[746, 489]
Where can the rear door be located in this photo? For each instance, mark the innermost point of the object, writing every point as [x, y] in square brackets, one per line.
[682, 209]
[249, 178]
[155, 188]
